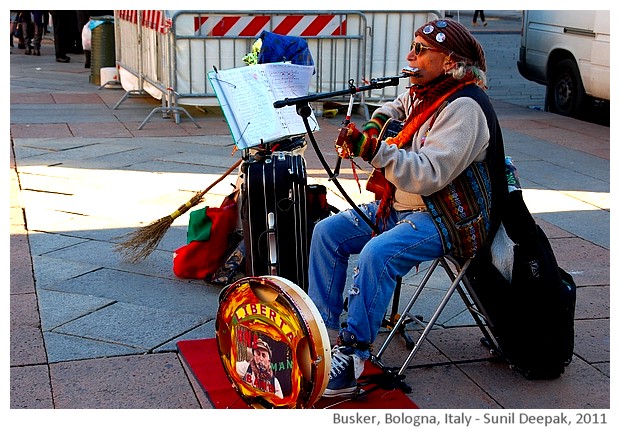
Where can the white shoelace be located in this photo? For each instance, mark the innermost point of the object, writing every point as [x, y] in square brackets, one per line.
[339, 362]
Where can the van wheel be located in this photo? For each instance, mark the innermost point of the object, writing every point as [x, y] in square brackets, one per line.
[565, 92]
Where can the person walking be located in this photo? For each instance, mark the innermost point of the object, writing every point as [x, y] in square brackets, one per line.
[479, 13]
[34, 35]
[22, 30]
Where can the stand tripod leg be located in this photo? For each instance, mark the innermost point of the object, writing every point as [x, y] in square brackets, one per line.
[388, 379]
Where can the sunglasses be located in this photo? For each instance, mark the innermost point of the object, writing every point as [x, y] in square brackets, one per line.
[418, 47]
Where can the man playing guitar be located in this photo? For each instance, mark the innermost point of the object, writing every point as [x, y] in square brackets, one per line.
[448, 124]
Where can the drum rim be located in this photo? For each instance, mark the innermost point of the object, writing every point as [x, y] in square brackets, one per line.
[308, 317]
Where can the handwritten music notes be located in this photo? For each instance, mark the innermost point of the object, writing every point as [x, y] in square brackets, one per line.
[246, 95]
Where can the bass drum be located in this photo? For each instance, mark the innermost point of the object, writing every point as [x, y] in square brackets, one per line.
[273, 343]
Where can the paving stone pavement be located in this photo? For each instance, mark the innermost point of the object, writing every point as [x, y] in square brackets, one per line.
[92, 331]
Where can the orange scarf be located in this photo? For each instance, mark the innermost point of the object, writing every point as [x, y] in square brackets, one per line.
[430, 98]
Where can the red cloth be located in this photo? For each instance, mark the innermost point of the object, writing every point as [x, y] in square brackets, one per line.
[199, 259]
[202, 357]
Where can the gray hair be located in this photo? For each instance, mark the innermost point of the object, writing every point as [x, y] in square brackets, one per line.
[460, 70]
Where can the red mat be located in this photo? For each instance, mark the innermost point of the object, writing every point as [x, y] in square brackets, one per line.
[202, 356]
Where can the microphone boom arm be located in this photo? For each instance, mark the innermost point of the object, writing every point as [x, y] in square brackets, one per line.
[377, 83]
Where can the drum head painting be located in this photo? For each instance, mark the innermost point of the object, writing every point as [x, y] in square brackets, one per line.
[273, 343]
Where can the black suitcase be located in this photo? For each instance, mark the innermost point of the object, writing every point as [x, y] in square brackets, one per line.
[274, 216]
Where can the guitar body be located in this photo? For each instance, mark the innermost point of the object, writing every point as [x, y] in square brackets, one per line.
[391, 128]
[376, 181]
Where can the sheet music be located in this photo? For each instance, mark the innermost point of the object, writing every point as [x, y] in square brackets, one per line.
[247, 94]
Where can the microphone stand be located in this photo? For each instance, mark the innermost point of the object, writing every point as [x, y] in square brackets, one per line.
[304, 110]
[376, 83]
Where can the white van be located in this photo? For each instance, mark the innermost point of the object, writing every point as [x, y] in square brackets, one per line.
[568, 51]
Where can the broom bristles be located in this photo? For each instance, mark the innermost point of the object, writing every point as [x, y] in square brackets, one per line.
[139, 244]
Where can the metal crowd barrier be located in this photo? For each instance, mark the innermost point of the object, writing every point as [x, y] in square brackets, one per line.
[167, 54]
[221, 39]
[144, 50]
[388, 42]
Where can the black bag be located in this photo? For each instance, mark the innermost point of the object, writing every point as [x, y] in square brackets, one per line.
[317, 204]
[274, 216]
[531, 317]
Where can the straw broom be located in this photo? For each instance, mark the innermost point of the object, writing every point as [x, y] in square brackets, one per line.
[138, 245]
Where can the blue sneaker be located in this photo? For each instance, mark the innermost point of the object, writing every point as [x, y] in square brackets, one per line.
[345, 370]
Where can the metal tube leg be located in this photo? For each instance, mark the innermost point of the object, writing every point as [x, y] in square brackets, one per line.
[149, 117]
[412, 301]
[435, 315]
[129, 94]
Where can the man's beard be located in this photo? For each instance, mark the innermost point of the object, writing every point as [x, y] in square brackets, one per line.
[261, 370]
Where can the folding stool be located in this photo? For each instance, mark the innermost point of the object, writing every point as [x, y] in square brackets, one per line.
[457, 273]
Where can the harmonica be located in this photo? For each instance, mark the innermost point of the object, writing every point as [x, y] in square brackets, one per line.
[410, 72]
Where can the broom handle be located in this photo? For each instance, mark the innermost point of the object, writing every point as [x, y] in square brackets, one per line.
[222, 177]
[196, 198]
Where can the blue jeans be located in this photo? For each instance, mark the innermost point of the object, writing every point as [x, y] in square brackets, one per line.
[409, 239]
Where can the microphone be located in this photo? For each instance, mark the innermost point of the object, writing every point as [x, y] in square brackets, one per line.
[410, 72]
[375, 83]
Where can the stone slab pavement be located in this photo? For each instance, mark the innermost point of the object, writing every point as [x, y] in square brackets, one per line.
[89, 330]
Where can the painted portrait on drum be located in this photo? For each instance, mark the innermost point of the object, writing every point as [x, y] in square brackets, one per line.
[262, 363]
[272, 345]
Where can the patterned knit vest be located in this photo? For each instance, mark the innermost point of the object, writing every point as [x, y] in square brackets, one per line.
[428, 100]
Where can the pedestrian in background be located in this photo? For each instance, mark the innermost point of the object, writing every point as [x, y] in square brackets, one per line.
[479, 13]
[21, 26]
[28, 28]
[34, 36]
[64, 30]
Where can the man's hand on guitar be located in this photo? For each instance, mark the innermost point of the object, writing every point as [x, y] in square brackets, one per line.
[351, 142]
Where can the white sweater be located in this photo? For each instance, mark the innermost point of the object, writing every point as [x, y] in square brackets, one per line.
[459, 136]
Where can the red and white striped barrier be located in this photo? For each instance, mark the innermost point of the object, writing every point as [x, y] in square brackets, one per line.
[253, 26]
[170, 52]
[153, 19]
